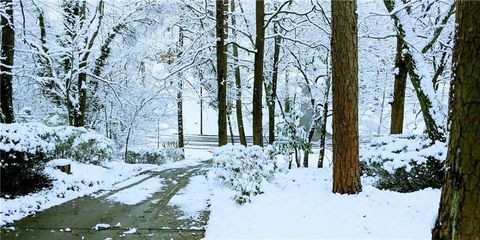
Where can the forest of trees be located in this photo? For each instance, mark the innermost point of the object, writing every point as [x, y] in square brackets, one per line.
[295, 71]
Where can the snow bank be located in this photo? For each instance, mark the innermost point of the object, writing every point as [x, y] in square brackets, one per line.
[300, 205]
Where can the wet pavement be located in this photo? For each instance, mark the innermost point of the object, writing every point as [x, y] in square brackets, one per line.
[152, 218]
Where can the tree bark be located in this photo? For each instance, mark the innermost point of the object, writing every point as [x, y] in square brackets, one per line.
[181, 142]
[434, 131]
[398, 104]
[258, 73]
[221, 72]
[346, 169]
[8, 44]
[271, 97]
[459, 212]
[238, 84]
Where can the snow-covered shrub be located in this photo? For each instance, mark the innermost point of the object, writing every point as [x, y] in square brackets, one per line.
[244, 169]
[92, 147]
[25, 147]
[83, 145]
[153, 155]
[23, 153]
[404, 163]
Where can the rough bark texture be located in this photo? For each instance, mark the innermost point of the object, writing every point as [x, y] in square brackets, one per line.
[221, 73]
[8, 43]
[258, 74]
[238, 84]
[459, 213]
[346, 169]
[398, 104]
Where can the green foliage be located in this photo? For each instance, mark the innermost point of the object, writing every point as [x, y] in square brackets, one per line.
[404, 163]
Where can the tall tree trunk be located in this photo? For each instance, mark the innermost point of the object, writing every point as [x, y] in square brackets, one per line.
[8, 44]
[238, 84]
[433, 128]
[459, 213]
[230, 127]
[396, 124]
[201, 110]
[181, 142]
[323, 124]
[221, 72]
[346, 167]
[272, 95]
[258, 73]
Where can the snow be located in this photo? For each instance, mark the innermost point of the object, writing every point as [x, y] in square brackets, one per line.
[137, 193]
[299, 204]
[101, 226]
[194, 198]
[130, 231]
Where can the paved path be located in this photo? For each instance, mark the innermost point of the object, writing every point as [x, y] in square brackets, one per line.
[153, 219]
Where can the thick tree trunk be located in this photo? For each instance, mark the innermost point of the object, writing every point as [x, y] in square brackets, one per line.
[8, 44]
[258, 74]
[346, 167]
[238, 84]
[396, 125]
[459, 213]
[221, 72]
[271, 97]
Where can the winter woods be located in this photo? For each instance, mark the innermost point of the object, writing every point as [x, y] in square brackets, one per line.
[319, 83]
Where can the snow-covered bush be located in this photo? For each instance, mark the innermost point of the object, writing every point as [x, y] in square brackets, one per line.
[244, 169]
[25, 147]
[404, 163]
[153, 155]
[23, 153]
[83, 145]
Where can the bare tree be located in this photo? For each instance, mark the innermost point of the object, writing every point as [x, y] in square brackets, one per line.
[221, 19]
[258, 73]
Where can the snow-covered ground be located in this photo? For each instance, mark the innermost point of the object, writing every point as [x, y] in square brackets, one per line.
[137, 193]
[299, 204]
[194, 198]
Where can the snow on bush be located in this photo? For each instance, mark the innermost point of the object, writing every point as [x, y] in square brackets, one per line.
[244, 169]
[404, 163]
[56, 142]
[153, 155]
[25, 147]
